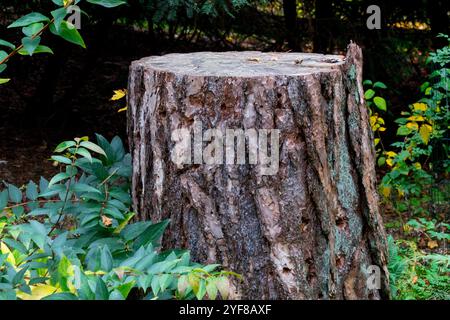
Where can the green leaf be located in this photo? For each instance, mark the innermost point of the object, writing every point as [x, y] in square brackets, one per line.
[367, 82]
[3, 199]
[403, 131]
[101, 291]
[379, 84]
[3, 55]
[62, 159]
[31, 44]
[201, 289]
[2, 80]
[380, 103]
[39, 49]
[369, 94]
[32, 191]
[15, 195]
[123, 224]
[125, 288]
[59, 177]
[106, 259]
[32, 29]
[68, 32]
[7, 44]
[107, 3]
[82, 187]
[59, 15]
[211, 289]
[93, 147]
[84, 153]
[152, 234]
[64, 145]
[61, 296]
[29, 19]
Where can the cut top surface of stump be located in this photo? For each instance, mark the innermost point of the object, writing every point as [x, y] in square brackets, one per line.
[242, 64]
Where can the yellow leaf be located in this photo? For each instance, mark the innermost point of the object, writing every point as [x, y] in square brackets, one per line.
[417, 165]
[389, 162]
[432, 244]
[373, 120]
[420, 106]
[390, 154]
[377, 140]
[386, 191]
[119, 94]
[38, 292]
[123, 109]
[425, 132]
[382, 129]
[416, 118]
[412, 126]
[380, 120]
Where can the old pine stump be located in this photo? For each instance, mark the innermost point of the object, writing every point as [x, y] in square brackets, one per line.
[311, 228]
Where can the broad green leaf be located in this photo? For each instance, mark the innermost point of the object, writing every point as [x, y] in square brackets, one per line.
[82, 187]
[107, 3]
[211, 289]
[58, 15]
[29, 19]
[57, 178]
[64, 145]
[403, 131]
[61, 296]
[68, 32]
[201, 290]
[379, 84]
[32, 29]
[380, 103]
[369, 94]
[93, 147]
[3, 199]
[125, 288]
[30, 44]
[84, 153]
[15, 195]
[39, 49]
[7, 44]
[62, 159]
[101, 291]
[32, 191]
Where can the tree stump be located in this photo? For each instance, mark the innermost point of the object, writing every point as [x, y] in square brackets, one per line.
[310, 229]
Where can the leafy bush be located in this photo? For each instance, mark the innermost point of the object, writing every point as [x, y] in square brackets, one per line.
[415, 274]
[71, 237]
[423, 129]
[35, 24]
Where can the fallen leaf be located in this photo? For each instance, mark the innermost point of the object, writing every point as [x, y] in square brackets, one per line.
[432, 244]
[107, 222]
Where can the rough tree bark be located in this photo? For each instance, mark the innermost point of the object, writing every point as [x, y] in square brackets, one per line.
[308, 232]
